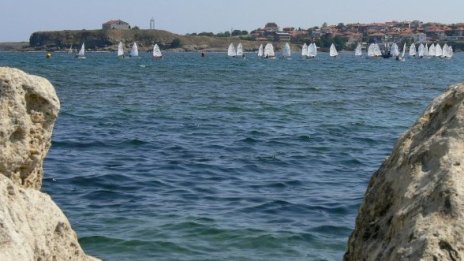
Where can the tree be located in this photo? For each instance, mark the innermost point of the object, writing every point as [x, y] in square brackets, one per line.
[176, 43]
[206, 34]
[324, 25]
[244, 32]
[236, 32]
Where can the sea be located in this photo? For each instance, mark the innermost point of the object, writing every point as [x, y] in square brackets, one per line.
[217, 158]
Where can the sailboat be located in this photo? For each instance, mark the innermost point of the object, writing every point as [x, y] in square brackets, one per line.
[370, 50]
[231, 51]
[333, 51]
[377, 52]
[81, 54]
[269, 51]
[403, 53]
[412, 50]
[374, 50]
[261, 51]
[239, 50]
[420, 51]
[438, 50]
[447, 51]
[304, 50]
[134, 51]
[157, 52]
[426, 50]
[358, 50]
[312, 50]
[120, 50]
[394, 50]
[287, 51]
[432, 50]
[70, 49]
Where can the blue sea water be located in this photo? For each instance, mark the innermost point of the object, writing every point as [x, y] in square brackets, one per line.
[191, 158]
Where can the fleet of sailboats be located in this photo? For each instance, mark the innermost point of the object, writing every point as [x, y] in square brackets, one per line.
[310, 51]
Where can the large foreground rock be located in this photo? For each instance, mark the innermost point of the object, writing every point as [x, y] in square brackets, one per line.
[414, 205]
[32, 227]
[28, 109]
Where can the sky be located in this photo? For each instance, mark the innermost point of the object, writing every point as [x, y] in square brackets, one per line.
[20, 18]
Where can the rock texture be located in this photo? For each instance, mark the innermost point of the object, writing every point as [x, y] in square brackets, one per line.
[28, 109]
[32, 227]
[414, 205]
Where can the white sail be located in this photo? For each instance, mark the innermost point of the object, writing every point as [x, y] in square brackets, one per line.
[81, 53]
[304, 50]
[70, 49]
[412, 50]
[377, 51]
[157, 52]
[287, 52]
[432, 50]
[426, 50]
[403, 53]
[370, 50]
[269, 51]
[449, 51]
[239, 49]
[231, 50]
[134, 51]
[333, 51]
[261, 51]
[420, 50]
[358, 50]
[120, 49]
[312, 50]
[394, 50]
[438, 50]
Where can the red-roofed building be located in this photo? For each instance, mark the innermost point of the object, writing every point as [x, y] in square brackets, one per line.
[115, 24]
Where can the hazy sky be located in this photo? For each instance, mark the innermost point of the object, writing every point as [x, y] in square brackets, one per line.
[19, 18]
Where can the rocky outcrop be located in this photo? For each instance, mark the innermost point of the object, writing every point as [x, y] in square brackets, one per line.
[32, 227]
[28, 109]
[414, 205]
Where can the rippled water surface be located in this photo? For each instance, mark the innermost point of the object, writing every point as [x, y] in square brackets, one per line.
[212, 158]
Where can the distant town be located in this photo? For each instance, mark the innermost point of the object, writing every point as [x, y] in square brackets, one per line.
[348, 35]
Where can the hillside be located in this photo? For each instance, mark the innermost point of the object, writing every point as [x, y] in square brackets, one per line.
[108, 40]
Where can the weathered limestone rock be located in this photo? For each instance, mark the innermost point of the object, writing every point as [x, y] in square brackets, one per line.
[414, 205]
[28, 109]
[32, 227]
